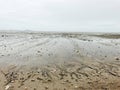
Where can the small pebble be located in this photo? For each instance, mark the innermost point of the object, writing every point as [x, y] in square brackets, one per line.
[9, 87]
[26, 88]
[38, 51]
[32, 80]
[2, 35]
[117, 58]
[76, 86]
[35, 89]
[46, 88]
[12, 81]
[39, 78]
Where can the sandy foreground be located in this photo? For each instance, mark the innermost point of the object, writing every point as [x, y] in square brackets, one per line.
[59, 61]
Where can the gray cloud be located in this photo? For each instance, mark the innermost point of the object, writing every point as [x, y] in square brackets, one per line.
[60, 15]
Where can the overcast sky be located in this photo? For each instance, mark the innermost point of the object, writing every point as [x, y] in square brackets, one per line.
[60, 15]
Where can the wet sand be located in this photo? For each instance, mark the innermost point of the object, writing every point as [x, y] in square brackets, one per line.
[59, 61]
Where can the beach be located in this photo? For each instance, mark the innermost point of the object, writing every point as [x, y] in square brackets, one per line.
[59, 61]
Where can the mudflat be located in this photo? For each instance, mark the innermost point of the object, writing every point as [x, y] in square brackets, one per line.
[59, 61]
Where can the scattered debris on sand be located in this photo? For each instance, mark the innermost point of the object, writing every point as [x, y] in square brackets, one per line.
[59, 61]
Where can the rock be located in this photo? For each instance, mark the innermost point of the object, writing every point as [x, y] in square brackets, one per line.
[9, 87]
[49, 80]
[12, 81]
[105, 56]
[54, 70]
[46, 87]
[76, 86]
[38, 51]
[35, 89]
[2, 35]
[33, 80]
[117, 58]
[39, 78]
[26, 88]
[77, 51]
